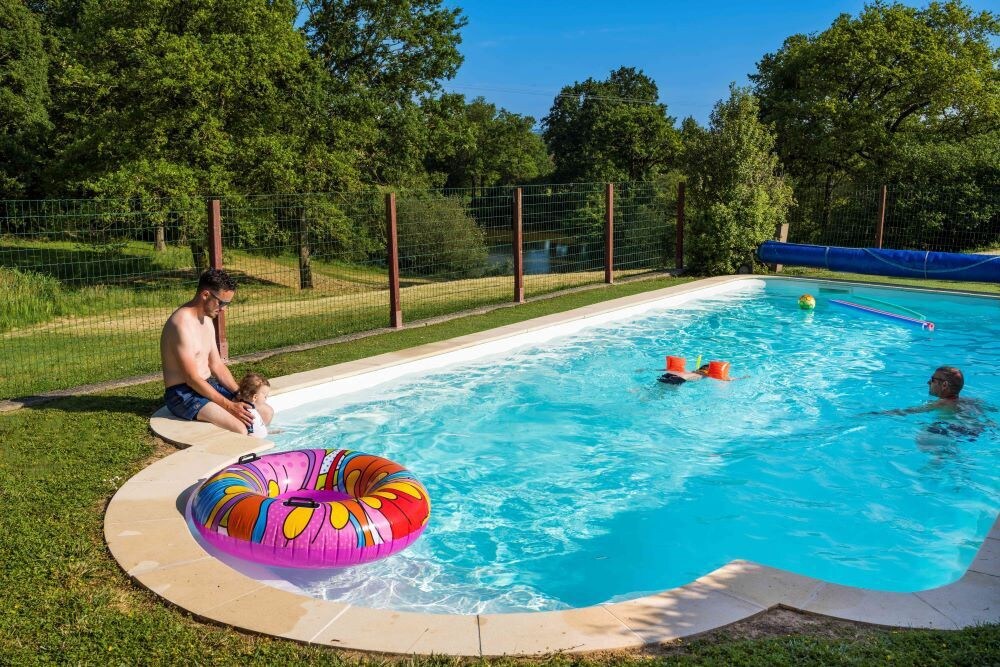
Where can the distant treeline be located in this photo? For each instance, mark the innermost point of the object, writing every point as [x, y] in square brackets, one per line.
[147, 100]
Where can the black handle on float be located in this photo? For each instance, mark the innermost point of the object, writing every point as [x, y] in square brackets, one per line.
[301, 502]
[247, 458]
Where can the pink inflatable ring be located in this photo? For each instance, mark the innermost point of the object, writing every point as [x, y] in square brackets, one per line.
[311, 508]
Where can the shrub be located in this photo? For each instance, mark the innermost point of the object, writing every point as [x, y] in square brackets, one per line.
[438, 236]
[737, 195]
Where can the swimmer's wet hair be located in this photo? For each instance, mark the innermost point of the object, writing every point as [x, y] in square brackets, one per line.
[953, 377]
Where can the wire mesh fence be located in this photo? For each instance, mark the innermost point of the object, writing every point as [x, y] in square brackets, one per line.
[965, 219]
[455, 250]
[563, 236]
[309, 267]
[645, 228]
[86, 285]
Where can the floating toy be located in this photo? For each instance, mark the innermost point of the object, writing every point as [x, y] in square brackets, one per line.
[923, 324]
[717, 370]
[909, 311]
[807, 302]
[311, 508]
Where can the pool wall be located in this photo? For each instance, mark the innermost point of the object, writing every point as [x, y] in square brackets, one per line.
[147, 533]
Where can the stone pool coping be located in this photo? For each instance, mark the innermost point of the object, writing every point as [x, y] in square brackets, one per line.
[147, 534]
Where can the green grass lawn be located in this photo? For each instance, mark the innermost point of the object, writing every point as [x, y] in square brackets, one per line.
[64, 600]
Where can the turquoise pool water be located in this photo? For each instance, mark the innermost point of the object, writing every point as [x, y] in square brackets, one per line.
[565, 475]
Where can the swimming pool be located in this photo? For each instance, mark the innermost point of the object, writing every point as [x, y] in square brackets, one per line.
[564, 475]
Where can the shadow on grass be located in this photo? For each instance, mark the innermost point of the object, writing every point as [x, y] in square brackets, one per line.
[81, 267]
[95, 403]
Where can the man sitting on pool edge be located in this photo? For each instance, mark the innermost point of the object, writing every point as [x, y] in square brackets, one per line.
[198, 384]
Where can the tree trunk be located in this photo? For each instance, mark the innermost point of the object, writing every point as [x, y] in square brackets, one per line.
[199, 255]
[160, 244]
[305, 267]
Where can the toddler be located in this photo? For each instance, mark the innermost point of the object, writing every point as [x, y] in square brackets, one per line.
[254, 389]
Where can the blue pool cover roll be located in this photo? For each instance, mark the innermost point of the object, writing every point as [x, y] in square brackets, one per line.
[881, 262]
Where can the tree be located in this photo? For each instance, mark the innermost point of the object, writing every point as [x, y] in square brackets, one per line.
[223, 87]
[24, 98]
[380, 55]
[475, 145]
[737, 196]
[166, 98]
[437, 236]
[845, 101]
[610, 130]
[392, 50]
[944, 195]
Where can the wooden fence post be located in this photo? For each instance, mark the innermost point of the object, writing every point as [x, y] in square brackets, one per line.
[215, 262]
[609, 235]
[679, 239]
[781, 232]
[392, 256]
[517, 246]
[880, 223]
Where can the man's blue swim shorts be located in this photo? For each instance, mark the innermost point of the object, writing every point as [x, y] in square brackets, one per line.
[186, 403]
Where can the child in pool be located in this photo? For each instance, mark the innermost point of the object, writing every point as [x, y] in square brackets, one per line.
[254, 390]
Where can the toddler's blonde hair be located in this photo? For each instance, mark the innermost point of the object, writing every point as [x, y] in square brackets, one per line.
[250, 385]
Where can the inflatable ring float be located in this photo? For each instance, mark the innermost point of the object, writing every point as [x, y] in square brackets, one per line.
[311, 508]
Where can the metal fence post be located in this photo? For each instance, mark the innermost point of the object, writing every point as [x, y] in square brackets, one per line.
[215, 262]
[392, 255]
[609, 235]
[517, 246]
[679, 237]
[880, 224]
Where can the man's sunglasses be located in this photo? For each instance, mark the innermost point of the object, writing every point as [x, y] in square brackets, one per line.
[222, 304]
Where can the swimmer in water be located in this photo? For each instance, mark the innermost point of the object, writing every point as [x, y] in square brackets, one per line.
[961, 418]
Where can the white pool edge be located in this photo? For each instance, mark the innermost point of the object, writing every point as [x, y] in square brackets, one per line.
[147, 534]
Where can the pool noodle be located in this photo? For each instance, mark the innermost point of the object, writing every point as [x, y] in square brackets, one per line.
[924, 324]
[919, 316]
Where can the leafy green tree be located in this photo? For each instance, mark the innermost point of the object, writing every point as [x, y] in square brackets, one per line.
[737, 195]
[380, 55]
[846, 101]
[475, 145]
[944, 195]
[24, 98]
[392, 50]
[610, 130]
[165, 99]
[223, 87]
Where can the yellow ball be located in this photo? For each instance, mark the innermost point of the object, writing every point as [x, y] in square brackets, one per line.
[807, 302]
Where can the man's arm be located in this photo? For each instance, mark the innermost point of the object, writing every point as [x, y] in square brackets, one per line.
[926, 407]
[221, 372]
[189, 367]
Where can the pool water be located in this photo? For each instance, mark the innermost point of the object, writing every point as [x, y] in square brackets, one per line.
[564, 475]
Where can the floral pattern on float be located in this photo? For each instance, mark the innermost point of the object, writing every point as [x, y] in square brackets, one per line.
[311, 508]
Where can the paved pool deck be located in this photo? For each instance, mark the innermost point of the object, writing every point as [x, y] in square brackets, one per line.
[147, 533]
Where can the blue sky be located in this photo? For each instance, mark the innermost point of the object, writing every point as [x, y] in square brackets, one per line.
[519, 54]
